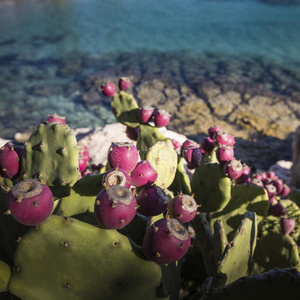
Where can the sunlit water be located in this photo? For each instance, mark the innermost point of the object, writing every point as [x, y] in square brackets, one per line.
[35, 35]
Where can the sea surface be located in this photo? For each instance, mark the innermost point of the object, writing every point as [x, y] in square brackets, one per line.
[47, 48]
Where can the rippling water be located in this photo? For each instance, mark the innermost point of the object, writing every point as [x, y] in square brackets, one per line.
[37, 37]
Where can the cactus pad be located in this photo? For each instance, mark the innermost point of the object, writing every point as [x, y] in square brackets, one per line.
[68, 259]
[163, 157]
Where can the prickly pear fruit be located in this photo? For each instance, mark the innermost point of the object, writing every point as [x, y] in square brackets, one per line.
[287, 225]
[183, 208]
[166, 241]
[224, 153]
[82, 162]
[221, 137]
[212, 130]
[145, 114]
[277, 210]
[161, 118]
[83, 150]
[107, 89]
[192, 156]
[115, 207]
[143, 174]
[56, 118]
[245, 176]
[186, 144]
[132, 133]
[30, 202]
[207, 145]
[10, 163]
[152, 201]
[123, 155]
[285, 191]
[233, 169]
[124, 83]
[116, 176]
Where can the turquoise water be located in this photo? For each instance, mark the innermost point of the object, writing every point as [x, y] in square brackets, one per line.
[36, 35]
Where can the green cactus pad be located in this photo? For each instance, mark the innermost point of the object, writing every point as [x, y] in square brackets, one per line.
[244, 198]
[237, 256]
[211, 187]
[148, 136]
[294, 195]
[51, 155]
[80, 203]
[163, 157]
[68, 259]
[125, 109]
[5, 272]
[276, 284]
[271, 224]
[181, 182]
[275, 251]
[220, 240]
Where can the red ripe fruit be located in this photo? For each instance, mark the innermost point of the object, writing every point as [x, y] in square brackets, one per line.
[115, 207]
[56, 118]
[224, 153]
[223, 138]
[192, 156]
[123, 155]
[166, 241]
[82, 163]
[245, 176]
[287, 225]
[212, 130]
[107, 89]
[233, 169]
[145, 114]
[161, 118]
[132, 133]
[152, 201]
[143, 174]
[124, 83]
[207, 145]
[183, 208]
[10, 160]
[30, 202]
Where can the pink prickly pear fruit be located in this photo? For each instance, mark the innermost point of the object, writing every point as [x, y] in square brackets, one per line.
[257, 182]
[192, 156]
[207, 145]
[116, 176]
[278, 183]
[212, 130]
[10, 160]
[161, 118]
[145, 114]
[82, 163]
[287, 225]
[56, 118]
[123, 155]
[271, 175]
[285, 191]
[30, 202]
[277, 210]
[224, 153]
[115, 207]
[271, 190]
[132, 133]
[233, 169]
[245, 176]
[107, 89]
[124, 83]
[176, 144]
[223, 138]
[143, 174]
[187, 143]
[166, 241]
[83, 150]
[183, 208]
[152, 201]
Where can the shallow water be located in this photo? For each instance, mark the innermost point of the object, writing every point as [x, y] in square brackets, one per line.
[39, 40]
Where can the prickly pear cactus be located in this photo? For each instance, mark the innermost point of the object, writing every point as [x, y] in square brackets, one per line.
[125, 109]
[148, 136]
[51, 154]
[163, 157]
[211, 187]
[236, 258]
[5, 272]
[80, 262]
[244, 198]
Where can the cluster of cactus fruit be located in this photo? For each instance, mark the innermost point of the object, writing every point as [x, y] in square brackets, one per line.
[162, 220]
